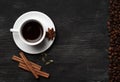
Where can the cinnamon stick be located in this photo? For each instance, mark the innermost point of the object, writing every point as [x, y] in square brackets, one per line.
[28, 64]
[40, 73]
[18, 59]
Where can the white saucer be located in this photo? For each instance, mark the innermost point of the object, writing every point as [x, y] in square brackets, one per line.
[42, 46]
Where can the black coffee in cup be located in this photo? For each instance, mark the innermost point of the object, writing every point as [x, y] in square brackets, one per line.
[32, 31]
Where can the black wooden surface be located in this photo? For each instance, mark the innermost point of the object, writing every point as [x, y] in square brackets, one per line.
[79, 51]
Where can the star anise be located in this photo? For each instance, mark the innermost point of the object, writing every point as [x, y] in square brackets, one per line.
[50, 34]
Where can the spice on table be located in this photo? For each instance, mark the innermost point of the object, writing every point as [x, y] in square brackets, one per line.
[27, 65]
[50, 34]
[40, 73]
[45, 59]
[18, 59]
[48, 62]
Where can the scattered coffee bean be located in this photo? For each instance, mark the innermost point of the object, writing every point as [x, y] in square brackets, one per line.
[113, 25]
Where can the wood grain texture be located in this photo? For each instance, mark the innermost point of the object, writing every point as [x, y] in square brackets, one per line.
[79, 51]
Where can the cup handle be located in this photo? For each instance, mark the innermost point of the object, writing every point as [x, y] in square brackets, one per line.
[13, 30]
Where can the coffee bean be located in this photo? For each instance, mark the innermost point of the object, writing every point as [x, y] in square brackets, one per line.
[113, 25]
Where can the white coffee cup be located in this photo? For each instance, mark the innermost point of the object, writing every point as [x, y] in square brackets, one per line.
[19, 25]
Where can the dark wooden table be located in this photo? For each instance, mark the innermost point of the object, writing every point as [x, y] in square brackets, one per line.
[79, 51]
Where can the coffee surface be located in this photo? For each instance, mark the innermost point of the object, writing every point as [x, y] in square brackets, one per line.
[32, 31]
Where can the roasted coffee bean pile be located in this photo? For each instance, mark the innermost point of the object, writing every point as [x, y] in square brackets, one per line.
[114, 34]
